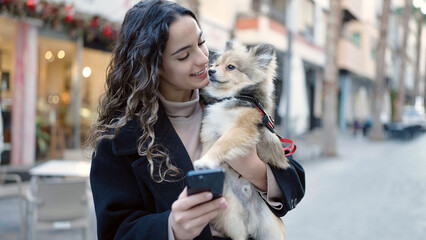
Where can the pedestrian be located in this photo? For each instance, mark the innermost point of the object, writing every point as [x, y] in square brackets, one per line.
[147, 134]
[356, 127]
[366, 127]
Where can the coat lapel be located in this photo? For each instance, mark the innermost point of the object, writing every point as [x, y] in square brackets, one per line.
[171, 141]
[164, 193]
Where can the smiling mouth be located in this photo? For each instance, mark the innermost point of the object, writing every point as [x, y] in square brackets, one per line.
[199, 73]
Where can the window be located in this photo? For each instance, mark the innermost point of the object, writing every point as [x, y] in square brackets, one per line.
[356, 38]
[373, 53]
[306, 16]
[277, 10]
[279, 5]
[373, 49]
[256, 5]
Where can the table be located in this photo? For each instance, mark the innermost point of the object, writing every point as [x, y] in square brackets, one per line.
[62, 168]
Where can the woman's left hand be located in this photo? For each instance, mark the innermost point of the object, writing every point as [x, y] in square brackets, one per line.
[251, 168]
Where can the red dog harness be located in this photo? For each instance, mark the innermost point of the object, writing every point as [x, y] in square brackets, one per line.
[267, 122]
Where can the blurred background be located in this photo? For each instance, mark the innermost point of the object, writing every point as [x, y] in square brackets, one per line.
[350, 91]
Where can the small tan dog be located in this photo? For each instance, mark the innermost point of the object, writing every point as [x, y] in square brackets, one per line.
[231, 128]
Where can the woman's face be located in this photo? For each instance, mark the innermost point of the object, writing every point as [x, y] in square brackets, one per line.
[185, 61]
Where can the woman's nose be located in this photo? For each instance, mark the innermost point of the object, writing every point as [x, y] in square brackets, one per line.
[211, 72]
[202, 58]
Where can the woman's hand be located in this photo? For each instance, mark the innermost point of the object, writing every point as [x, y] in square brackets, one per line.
[251, 168]
[190, 214]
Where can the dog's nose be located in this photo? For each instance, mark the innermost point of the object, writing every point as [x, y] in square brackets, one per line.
[211, 72]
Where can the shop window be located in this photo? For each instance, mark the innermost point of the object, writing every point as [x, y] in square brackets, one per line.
[7, 33]
[5, 81]
[92, 86]
[56, 62]
[59, 82]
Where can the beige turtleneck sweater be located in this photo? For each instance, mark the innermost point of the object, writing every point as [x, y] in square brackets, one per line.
[186, 119]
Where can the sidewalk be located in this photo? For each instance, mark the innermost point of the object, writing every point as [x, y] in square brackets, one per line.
[371, 190]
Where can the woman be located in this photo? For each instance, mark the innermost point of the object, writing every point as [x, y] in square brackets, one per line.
[147, 134]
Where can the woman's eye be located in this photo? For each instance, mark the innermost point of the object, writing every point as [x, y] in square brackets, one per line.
[230, 67]
[184, 58]
[187, 55]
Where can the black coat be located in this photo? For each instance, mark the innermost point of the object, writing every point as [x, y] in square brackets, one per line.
[130, 205]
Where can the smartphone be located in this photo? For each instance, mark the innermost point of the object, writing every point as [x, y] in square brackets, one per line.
[206, 180]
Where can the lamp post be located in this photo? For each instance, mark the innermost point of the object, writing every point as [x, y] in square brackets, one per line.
[287, 65]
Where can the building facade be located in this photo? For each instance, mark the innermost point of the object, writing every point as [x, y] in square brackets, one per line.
[51, 80]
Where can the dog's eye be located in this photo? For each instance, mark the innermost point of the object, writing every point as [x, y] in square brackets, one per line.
[230, 67]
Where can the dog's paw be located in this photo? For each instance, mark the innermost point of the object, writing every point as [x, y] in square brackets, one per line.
[205, 163]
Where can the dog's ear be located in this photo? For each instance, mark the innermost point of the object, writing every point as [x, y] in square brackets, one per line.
[264, 54]
[229, 46]
[214, 55]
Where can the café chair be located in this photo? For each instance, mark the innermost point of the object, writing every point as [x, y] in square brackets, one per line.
[11, 187]
[58, 204]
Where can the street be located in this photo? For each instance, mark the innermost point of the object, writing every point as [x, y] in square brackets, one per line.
[372, 190]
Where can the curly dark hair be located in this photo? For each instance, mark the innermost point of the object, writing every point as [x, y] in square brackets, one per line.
[132, 81]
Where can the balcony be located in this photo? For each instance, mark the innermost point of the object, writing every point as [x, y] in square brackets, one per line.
[263, 29]
[349, 57]
[352, 10]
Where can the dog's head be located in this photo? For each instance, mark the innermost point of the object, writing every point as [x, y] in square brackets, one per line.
[238, 68]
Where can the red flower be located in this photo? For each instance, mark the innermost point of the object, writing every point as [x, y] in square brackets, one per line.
[69, 17]
[94, 22]
[31, 4]
[107, 31]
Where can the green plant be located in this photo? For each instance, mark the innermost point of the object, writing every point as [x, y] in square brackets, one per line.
[42, 137]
